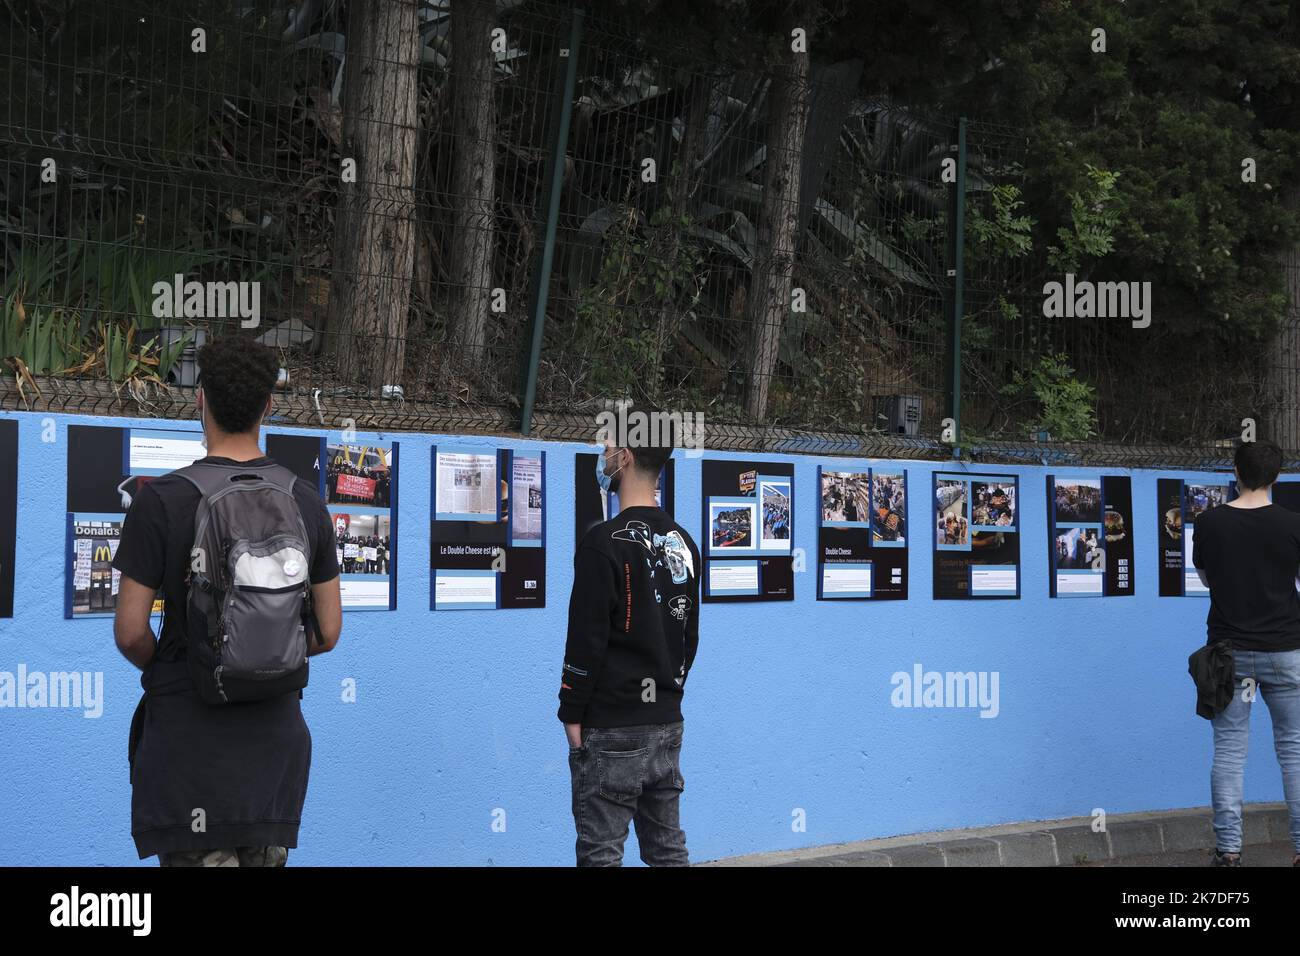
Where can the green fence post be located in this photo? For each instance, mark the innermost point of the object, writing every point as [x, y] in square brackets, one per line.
[957, 272]
[555, 181]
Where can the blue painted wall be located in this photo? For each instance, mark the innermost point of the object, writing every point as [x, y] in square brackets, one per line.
[788, 705]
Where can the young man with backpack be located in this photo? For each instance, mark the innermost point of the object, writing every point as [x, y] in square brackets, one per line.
[244, 555]
[1248, 553]
[633, 632]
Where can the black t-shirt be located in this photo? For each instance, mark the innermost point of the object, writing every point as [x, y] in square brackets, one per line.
[159, 532]
[244, 765]
[634, 614]
[1250, 557]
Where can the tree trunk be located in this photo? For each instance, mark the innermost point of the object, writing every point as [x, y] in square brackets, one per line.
[374, 234]
[778, 227]
[473, 181]
[1284, 363]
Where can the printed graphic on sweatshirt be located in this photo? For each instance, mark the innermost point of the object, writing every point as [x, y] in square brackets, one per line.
[669, 551]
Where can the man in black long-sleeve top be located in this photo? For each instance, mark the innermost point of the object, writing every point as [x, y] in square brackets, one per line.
[633, 631]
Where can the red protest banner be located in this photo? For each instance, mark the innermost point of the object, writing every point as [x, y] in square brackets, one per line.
[352, 485]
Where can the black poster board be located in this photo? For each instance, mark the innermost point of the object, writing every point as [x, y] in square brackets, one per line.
[862, 533]
[107, 466]
[748, 531]
[1090, 536]
[8, 512]
[487, 536]
[1178, 503]
[975, 524]
[591, 506]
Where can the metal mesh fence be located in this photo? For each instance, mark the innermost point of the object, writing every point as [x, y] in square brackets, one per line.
[415, 202]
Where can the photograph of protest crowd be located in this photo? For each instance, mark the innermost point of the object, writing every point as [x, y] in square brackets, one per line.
[845, 497]
[357, 475]
[362, 542]
[775, 496]
[1078, 501]
[888, 507]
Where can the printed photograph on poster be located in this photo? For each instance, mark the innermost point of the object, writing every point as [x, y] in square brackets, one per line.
[357, 475]
[846, 498]
[363, 542]
[993, 505]
[526, 500]
[1116, 529]
[467, 487]
[1078, 501]
[1173, 526]
[888, 508]
[731, 525]
[1078, 548]
[94, 545]
[1201, 498]
[952, 523]
[774, 497]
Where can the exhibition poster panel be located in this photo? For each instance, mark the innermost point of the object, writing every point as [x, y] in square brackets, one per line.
[976, 536]
[1089, 535]
[748, 530]
[862, 533]
[487, 535]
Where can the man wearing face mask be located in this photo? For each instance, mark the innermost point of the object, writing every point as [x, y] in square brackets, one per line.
[633, 632]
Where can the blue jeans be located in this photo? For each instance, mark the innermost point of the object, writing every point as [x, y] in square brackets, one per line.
[1276, 678]
[626, 774]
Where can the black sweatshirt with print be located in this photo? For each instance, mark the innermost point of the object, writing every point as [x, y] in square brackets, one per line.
[633, 622]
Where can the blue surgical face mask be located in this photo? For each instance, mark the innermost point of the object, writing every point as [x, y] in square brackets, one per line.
[606, 481]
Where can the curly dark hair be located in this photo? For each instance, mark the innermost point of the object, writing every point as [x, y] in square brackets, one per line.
[237, 375]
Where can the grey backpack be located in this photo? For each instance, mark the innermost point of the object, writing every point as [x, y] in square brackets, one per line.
[248, 594]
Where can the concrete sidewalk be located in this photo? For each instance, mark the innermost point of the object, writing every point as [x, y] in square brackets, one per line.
[1155, 838]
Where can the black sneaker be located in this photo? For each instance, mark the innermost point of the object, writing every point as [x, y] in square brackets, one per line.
[1221, 859]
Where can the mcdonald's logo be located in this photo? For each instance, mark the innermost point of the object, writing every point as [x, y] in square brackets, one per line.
[103, 553]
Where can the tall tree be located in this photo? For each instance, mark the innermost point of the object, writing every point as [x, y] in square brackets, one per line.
[473, 179]
[778, 224]
[374, 232]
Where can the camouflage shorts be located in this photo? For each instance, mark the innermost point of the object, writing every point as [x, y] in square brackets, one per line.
[236, 856]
